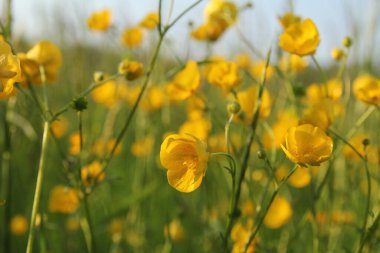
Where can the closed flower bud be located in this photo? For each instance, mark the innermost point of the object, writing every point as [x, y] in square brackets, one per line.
[80, 104]
[98, 77]
[261, 154]
[131, 69]
[347, 42]
[233, 107]
[337, 54]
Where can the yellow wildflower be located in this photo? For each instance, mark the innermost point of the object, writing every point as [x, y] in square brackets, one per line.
[357, 142]
[185, 158]
[63, 200]
[174, 230]
[185, 83]
[101, 147]
[10, 70]
[18, 225]
[210, 31]
[367, 89]
[131, 69]
[152, 100]
[222, 12]
[47, 55]
[59, 127]
[279, 213]
[92, 174]
[239, 235]
[110, 93]
[247, 100]
[300, 38]
[150, 21]
[224, 75]
[74, 143]
[132, 37]
[288, 19]
[99, 20]
[337, 54]
[143, 147]
[307, 145]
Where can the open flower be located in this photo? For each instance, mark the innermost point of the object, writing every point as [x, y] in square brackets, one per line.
[10, 71]
[63, 200]
[132, 37]
[248, 99]
[99, 20]
[185, 83]
[222, 12]
[307, 145]
[45, 54]
[279, 213]
[367, 89]
[224, 75]
[300, 38]
[185, 158]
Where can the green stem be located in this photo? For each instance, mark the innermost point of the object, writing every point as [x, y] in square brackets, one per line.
[86, 224]
[227, 133]
[37, 193]
[264, 213]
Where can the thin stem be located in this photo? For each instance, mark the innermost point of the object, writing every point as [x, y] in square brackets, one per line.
[169, 13]
[227, 133]
[181, 15]
[264, 213]
[87, 225]
[37, 193]
[244, 166]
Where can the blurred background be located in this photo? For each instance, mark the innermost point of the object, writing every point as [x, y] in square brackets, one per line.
[65, 21]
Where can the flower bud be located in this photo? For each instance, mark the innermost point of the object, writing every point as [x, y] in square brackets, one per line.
[347, 42]
[98, 76]
[337, 54]
[233, 107]
[80, 104]
[261, 154]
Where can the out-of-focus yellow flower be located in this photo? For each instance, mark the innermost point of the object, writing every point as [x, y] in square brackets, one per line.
[333, 89]
[307, 145]
[243, 60]
[174, 230]
[131, 69]
[63, 200]
[185, 158]
[210, 31]
[132, 37]
[248, 208]
[337, 54]
[143, 147]
[285, 120]
[150, 21]
[357, 142]
[288, 19]
[59, 127]
[300, 38]
[92, 174]
[110, 93]
[222, 12]
[197, 126]
[293, 63]
[74, 143]
[100, 20]
[239, 235]
[248, 99]
[47, 55]
[116, 226]
[101, 147]
[18, 225]
[185, 83]
[342, 217]
[279, 213]
[225, 75]
[322, 114]
[257, 70]
[30, 70]
[10, 70]
[299, 179]
[367, 89]
[153, 99]
[72, 224]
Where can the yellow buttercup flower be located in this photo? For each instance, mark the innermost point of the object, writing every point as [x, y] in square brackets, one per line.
[239, 235]
[322, 114]
[222, 12]
[210, 31]
[285, 120]
[367, 89]
[224, 75]
[288, 19]
[59, 127]
[131, 69]
[99, 20]
[132, 37]
[300, 38]
[74, 143]
[47, 55]
[63, 200]
[110, 93]
[257, 70]
[92, 174]
[150, 21]
[279, 213]
[185, 83]
[10, 70]
[185, 158]
[197, 126]
[300, 178]
[18, 225]
[307, 145]
[248, 99]
[143, 147]
[174, 230]
[293, 63]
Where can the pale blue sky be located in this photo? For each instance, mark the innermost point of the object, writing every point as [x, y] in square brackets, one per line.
[38, 19]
